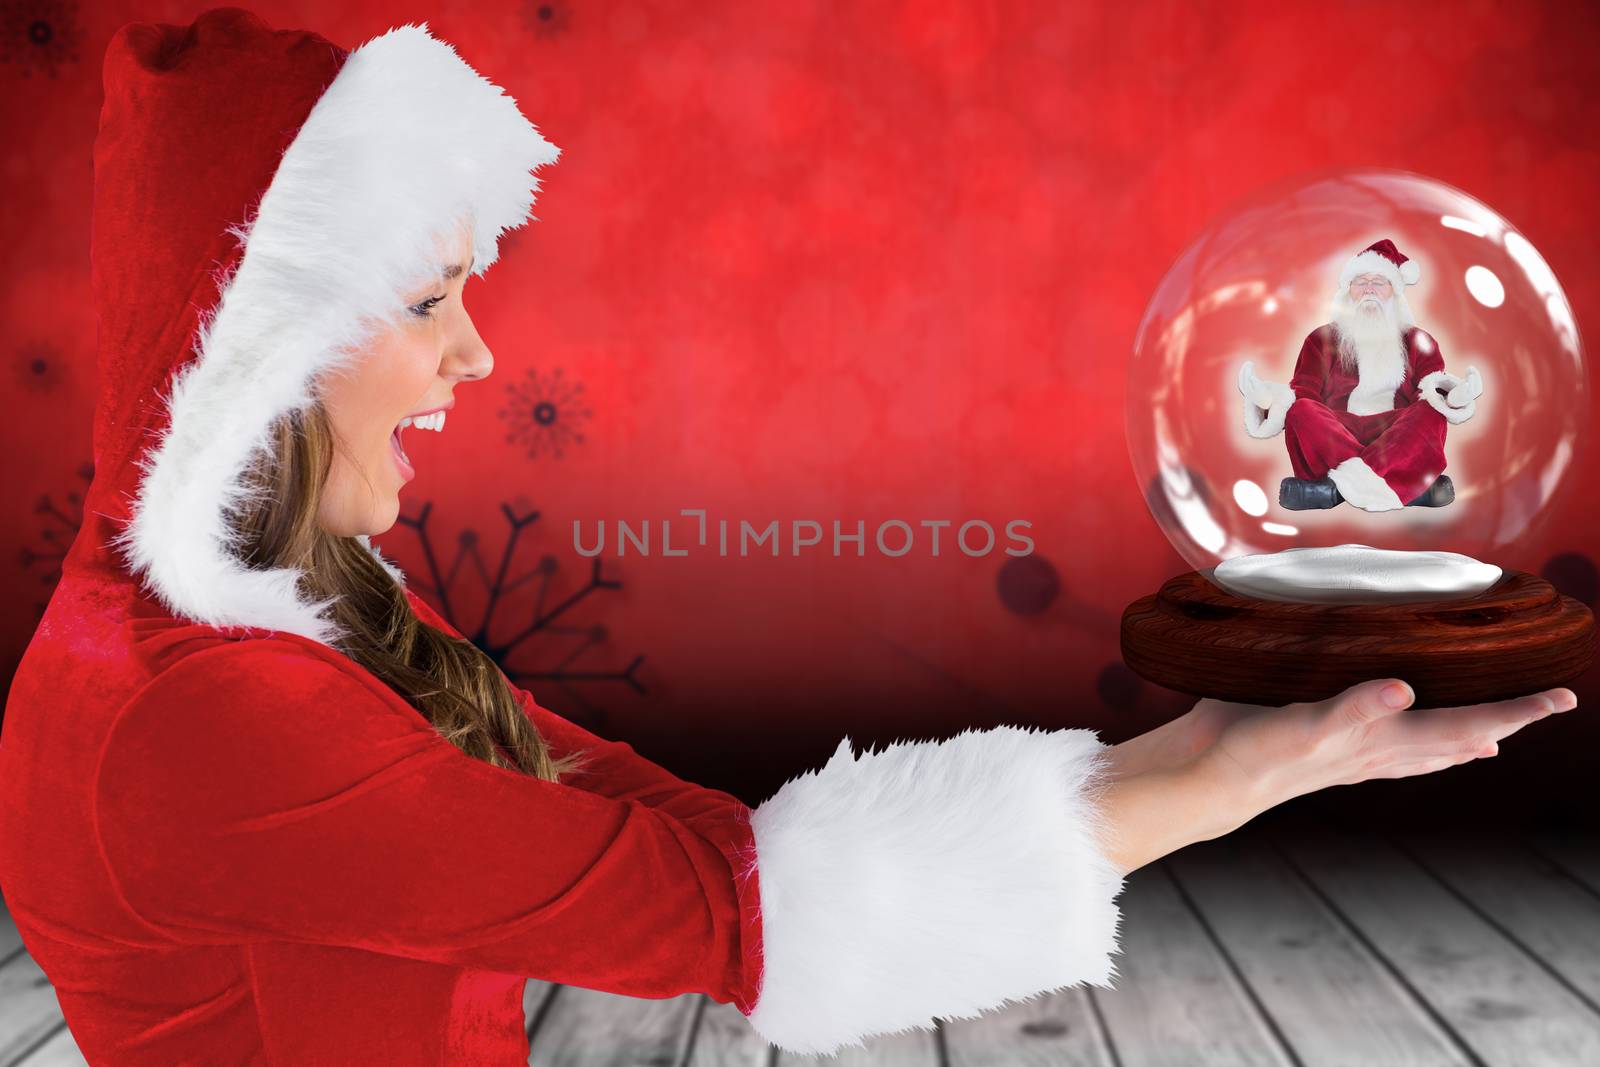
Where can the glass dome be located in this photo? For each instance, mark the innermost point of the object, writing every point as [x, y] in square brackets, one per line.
[1213, 442]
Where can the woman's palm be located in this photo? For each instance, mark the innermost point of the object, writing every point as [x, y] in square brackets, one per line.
[1355, 736]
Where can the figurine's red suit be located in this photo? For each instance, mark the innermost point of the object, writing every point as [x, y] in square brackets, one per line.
[1403, 444]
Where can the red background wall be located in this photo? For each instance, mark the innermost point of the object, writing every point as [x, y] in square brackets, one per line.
[844, 261]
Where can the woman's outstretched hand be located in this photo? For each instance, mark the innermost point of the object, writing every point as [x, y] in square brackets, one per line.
[1214, 769]
[1368, 731]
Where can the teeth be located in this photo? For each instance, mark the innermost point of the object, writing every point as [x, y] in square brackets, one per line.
[426, 422]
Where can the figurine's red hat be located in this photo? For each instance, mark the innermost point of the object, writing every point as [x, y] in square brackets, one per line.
[1382, 257]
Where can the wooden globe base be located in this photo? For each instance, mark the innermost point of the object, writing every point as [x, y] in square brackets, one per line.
[1519, 636]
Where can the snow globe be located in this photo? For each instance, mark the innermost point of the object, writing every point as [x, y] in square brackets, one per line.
[1347, 397]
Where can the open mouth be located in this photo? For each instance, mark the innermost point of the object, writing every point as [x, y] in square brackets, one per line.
[433, 421]
[401, 459]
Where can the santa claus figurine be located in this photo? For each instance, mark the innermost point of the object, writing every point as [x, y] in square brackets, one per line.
[1366, 412]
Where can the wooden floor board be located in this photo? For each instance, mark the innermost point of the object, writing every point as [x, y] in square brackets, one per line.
[1177, 1002]
[10, 940]
[1320, 986]
[28, 1008]
[57, 1050]
[1505, 1006]
[1058, 1029]
[1530, 900]
[724, 1038]
[585, 1028]
[919, 1048]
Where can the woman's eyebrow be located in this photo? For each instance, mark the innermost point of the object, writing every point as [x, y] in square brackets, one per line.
[455, 268]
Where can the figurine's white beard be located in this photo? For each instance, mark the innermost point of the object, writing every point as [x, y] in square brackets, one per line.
[1369, 338]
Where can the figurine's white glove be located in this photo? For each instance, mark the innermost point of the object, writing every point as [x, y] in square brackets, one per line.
[1266, 404]
[1470, 389]
[1454, 398]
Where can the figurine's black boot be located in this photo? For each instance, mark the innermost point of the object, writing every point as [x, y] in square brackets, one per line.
[1437, 495]
[1303, 494]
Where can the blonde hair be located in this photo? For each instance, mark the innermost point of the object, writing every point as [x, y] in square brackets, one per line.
[452, 682]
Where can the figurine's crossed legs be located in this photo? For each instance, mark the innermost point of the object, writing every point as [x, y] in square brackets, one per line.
[1379, 462]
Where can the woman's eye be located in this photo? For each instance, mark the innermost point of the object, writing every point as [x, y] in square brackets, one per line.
[425, 309]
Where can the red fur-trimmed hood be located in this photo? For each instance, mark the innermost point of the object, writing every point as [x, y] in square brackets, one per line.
[263, 200]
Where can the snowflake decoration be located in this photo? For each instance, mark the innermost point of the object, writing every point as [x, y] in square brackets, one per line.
[549, 618]
[39, 34]
[58, 526]
[545, 413]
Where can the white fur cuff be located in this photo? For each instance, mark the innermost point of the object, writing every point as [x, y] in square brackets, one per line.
[1266, 404]
[1459, 402]
[1361, 486]
[932, 879]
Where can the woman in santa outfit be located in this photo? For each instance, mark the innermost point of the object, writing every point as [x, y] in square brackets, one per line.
[260, 803]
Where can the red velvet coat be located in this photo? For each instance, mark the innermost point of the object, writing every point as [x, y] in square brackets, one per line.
[223, 848]
[226, 842]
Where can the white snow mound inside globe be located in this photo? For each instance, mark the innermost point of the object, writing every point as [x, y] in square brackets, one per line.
[1355, 574]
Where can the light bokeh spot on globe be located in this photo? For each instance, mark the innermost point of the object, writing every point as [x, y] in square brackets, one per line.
[1259, 281]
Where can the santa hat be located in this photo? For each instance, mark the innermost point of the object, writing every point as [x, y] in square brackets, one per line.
[264, 202]
[1382, 257]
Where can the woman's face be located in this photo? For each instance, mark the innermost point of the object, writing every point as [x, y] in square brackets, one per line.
[408, 371]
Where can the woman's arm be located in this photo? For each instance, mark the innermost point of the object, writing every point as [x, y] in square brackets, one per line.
[615, 769]
[264, 791]
[1164, 809]
[269, 790]
[1174, 742]
[612, 768]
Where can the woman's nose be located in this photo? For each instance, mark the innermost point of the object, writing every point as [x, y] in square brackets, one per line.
[470, 359]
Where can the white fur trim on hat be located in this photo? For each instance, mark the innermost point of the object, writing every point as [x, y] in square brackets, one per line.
[1459, 401]
[407, 144]
[1407, 273]
[1266, 404]
[1362, 486]
[932, 880]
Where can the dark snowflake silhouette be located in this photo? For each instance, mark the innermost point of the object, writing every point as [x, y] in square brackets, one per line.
[547, 18]
[545, 413]
[39, 35]
[40, 367]
[58, 526]
[549, 617]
